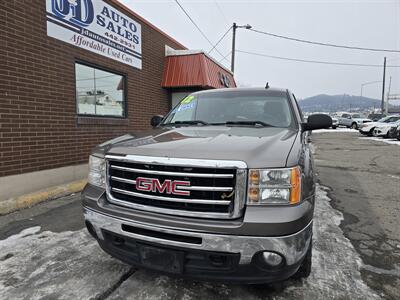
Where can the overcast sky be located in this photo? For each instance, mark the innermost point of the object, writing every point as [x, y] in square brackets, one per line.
[363, 23]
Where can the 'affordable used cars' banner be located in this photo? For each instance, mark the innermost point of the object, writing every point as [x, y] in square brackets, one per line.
[97, 27]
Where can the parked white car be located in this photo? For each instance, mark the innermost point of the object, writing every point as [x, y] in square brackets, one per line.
[368, 128]
[382, 130]
[353, 121]
[335, 123]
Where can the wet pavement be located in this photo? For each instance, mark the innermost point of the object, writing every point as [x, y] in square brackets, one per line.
[45, 253]
[364, 177]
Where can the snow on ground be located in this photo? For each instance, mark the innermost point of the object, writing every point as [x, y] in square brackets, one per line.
[337, 130]
[67, 265]
[348, 130]
[382, 140]
[70, 265]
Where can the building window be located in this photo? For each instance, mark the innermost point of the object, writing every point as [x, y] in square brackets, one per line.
[99, 92]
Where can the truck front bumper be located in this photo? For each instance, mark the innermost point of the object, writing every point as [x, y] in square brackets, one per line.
[204, 255]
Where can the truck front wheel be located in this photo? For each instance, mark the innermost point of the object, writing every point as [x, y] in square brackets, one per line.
[305, 267]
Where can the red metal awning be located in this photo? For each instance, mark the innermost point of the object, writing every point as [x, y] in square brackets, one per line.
[195, 70]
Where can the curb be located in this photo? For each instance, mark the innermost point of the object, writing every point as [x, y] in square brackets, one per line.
[28, 200]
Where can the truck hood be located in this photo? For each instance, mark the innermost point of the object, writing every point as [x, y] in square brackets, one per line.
[258, 147]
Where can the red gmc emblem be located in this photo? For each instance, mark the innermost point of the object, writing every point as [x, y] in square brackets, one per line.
[168, 186]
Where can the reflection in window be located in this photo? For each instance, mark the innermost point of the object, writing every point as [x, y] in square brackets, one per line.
[99, 92]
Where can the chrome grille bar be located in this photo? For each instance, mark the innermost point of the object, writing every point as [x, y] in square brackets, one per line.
[180, 200]
[208, 188]
[123, 180]
[191, 188]
[209, 201]
[203, 175]
[183, 162]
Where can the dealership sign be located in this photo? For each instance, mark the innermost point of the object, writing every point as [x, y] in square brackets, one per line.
[97, 27]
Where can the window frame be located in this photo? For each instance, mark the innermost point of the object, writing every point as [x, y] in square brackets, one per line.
[301, 115]
[105, 69]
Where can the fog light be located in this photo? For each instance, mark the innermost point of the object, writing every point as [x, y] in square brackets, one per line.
[272, 259]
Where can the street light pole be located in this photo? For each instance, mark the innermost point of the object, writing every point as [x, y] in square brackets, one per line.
[234, 27]
[364, 84]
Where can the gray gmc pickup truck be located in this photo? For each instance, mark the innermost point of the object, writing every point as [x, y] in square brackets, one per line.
[222, 188]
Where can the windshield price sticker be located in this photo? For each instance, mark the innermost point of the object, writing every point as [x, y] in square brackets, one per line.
[188, 99]
[185, 106]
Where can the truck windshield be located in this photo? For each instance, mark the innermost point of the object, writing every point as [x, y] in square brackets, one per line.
[233, 108]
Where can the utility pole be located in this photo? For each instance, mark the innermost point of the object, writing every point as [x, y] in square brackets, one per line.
[388, 94]
[234, 27]
[383, 85]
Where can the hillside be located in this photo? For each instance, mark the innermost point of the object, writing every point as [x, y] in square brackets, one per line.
[331, 103]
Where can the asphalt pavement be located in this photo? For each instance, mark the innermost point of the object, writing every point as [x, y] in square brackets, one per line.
[364, 176]
[46, 253]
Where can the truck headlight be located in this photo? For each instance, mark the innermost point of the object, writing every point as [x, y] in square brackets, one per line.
[274, 186]
[97, 171]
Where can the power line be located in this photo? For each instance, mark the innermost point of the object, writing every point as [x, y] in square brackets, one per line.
[93, 78]
[371, 82]
[225, 56]
[314, 61]
[221, 11]
[222, 37]
[198, 28]
[323, 44]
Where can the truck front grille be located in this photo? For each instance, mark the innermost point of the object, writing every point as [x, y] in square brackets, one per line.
[185, 187]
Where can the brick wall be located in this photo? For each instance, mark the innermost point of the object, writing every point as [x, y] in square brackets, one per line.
[39, 128]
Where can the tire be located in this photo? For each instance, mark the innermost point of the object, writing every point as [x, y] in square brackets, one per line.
[334, 127]
[371, 132]
[305, 268]
[354, 126]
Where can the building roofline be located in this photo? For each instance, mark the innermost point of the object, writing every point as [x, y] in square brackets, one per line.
[173, 52]
[243, 89]
[143, 20]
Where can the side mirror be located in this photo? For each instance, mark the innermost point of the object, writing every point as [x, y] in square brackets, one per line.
[317, 121]
[156, 120]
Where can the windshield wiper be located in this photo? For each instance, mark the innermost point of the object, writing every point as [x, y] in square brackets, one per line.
[250, 123]
[188, 122]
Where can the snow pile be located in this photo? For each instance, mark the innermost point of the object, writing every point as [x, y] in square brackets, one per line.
[382, 140]
[337, 130]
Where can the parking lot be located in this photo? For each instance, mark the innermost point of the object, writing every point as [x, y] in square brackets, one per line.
[46, 253]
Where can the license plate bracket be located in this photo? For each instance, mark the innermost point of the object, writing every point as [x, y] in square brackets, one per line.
[161, 259]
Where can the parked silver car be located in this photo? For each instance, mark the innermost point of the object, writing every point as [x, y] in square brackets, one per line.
[352, 120]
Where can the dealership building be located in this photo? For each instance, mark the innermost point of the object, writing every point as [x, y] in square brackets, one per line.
[75, 73]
